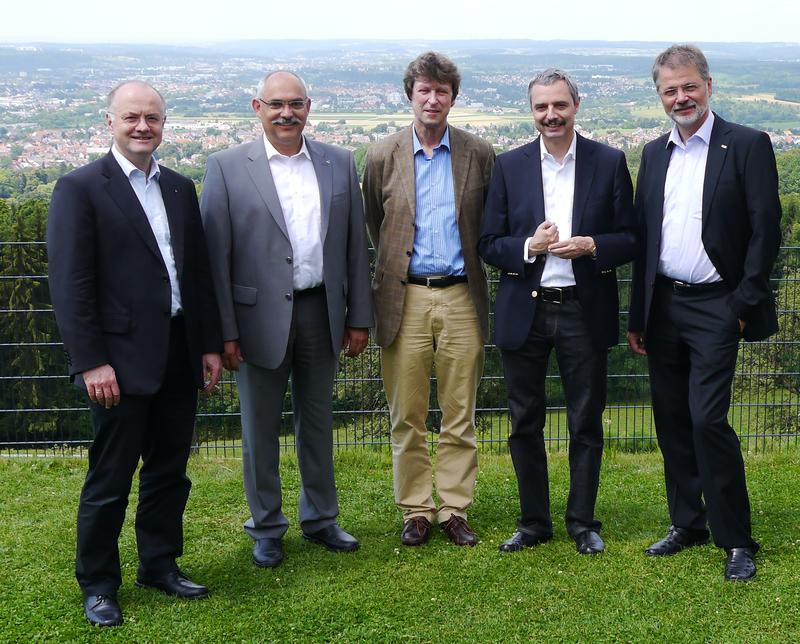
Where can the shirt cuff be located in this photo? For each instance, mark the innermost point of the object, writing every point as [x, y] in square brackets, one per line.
[526, 258]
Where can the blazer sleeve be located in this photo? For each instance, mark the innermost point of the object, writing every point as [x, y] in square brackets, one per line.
[764, 214]
[373, 200]
[216, 218]
[636, 314]
[359, 294]
[620, 245]
[71, 249]
[496, 245]
[209, 309]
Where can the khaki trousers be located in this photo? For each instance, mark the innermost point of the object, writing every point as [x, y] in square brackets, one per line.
[439, 330]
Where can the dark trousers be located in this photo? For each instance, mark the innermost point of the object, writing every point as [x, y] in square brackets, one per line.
[692, 344]
[312, 365]
[159, 429]
[583, 375]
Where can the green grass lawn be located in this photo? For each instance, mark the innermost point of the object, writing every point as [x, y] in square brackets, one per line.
[385, 592]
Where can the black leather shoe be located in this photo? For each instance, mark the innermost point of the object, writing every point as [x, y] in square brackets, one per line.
[176, 584]
[333, 538]
[102, 610]
[520, 540]
[676, 540]
[739, 565]
[589, 543]
[268, 552]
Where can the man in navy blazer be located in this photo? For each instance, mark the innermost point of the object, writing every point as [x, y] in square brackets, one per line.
[134, 302]
[558, 221]
[707, 200]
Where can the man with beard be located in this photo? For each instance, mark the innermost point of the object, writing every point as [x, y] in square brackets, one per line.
[707, 199]
[284, 219]
[559, 220]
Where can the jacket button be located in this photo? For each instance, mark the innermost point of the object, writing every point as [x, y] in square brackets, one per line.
[288, 296]
[534, 294]
[408, 252]
[288, 260]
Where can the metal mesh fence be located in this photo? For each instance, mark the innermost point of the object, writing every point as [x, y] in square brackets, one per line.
[42, 413]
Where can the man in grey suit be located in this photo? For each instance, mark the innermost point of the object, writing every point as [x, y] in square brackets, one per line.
[285, 226]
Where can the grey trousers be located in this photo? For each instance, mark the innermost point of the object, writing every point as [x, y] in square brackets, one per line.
[311, 365]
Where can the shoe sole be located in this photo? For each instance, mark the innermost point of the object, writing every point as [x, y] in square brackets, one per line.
[143, 584]
[329, 547]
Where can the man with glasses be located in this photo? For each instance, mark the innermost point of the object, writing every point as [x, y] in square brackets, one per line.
[707, 198]
[285, 223]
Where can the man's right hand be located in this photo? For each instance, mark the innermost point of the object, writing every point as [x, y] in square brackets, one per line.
[636, 342]
[232, 357]
[101, 385]
[546, 234]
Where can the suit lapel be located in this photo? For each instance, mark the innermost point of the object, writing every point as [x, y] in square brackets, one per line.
[324, 172]
[258, 168]
[533, 175]
[717, 150]
[404, 164]
[460, 156]
[585, 165]
[660, 165]
[121, 191]
[170, 193]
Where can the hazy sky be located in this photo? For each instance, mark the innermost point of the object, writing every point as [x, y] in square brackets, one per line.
[199, 21]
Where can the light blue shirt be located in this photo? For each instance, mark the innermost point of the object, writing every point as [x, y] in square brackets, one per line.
[437, 244]
[148, 192]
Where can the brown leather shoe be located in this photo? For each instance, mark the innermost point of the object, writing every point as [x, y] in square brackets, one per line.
[458, 531]
[416, 531]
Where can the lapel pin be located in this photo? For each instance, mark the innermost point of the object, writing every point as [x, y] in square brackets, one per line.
[723, 146]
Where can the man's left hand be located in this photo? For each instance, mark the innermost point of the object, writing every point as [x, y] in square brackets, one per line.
[212, 368]
[572, 247]
[354, 341]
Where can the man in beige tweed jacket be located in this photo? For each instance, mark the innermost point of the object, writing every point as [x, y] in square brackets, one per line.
[424, 189]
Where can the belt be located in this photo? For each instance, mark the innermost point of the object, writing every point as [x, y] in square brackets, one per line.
[558, 294]
[686, 288]
[436, 281]
[310, 291]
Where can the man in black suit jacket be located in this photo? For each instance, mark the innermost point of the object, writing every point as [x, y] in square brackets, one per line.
[134, 302]
[707, 199]
[558, 221]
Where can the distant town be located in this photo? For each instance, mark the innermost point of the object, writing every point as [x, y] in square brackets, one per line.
[52, 97]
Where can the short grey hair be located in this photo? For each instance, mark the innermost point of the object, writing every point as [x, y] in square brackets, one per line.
[681, 56]
[552, 75]
[263, 81]
[113, 93]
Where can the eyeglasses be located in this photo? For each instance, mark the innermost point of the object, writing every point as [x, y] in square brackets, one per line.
[296, 104]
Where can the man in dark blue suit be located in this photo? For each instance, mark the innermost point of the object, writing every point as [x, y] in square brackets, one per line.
[707, 199]
[558, 220]
[135, 306]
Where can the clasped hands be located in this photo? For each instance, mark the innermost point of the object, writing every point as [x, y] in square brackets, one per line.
[545, 240]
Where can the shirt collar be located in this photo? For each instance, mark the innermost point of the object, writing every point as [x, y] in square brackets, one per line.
[128, 168]
[704, 133]
[272, 152]
[543, 153]
[444, 143]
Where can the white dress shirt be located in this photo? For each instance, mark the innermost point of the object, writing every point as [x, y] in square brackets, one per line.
[683, 256]
[148, 192]
[558, 185]
[298, 192]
